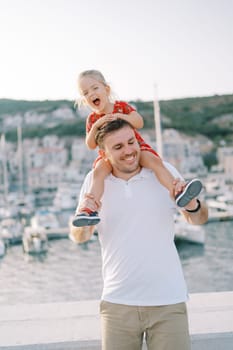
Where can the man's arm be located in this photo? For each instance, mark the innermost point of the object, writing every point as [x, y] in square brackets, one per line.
[83, 234]
[196, 212]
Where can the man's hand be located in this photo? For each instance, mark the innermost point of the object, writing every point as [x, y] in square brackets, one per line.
[84, 233]
[179, 187]
[195, 218]
[90, 203]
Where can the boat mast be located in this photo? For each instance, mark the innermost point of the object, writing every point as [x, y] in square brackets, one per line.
[5, 174]
[20, 161]
[158, 132]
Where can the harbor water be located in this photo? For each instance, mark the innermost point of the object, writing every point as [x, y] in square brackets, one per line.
[70, 272]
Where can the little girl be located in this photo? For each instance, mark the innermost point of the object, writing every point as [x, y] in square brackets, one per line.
[95, 93]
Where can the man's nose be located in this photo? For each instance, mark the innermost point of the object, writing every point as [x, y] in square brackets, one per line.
[128, 149]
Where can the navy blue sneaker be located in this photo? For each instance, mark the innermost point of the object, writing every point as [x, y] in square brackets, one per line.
[85, 219]
[192, 190]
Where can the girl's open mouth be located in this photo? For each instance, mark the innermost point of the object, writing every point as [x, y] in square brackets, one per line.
[96, 102]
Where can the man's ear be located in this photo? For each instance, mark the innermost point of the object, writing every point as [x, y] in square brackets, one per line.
[102, 153]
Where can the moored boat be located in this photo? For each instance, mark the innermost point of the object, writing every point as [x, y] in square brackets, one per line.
[11, 230]
[189, 233]
[2, 248]
[34, 240]
[219, 210]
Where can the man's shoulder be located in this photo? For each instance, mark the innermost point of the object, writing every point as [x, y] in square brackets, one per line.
[148, 172]
[88, 175]
[172, 169]
[144, 172]
[87, 178]
[86, 184]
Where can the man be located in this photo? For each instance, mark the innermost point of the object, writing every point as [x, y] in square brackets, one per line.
[144, 289]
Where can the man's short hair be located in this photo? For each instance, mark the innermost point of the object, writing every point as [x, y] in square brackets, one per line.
[109, 128]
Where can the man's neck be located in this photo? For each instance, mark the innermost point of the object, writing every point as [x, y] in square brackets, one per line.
[124, 175]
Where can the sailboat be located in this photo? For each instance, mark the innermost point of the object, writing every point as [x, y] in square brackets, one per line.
[5, 175]
[183, 230]
[34, 240]
[11, 225]
[24, 203]
[2, 248]
[157, 119]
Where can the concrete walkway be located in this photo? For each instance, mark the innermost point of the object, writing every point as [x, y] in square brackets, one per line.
[76, 325]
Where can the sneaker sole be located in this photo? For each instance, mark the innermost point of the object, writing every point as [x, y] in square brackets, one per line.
[191, 191]
[85, 221]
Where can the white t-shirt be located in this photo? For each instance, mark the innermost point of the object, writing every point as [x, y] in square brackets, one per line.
[140, 262]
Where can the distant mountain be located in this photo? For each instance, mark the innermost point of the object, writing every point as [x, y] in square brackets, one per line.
[8, 106]
[210, 116]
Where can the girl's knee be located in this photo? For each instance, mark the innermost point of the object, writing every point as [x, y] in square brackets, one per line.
[102, 169]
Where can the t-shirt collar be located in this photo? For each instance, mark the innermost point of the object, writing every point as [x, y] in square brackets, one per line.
[144, 173]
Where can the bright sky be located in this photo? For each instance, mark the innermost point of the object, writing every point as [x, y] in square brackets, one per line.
[183, 46]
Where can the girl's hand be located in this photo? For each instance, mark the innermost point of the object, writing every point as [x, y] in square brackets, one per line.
[90, 203]
[105, 119]
[118, 115]
[100, 122]
[110, 117]
[178, 186]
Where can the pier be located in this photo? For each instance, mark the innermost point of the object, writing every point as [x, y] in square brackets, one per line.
[76, 325]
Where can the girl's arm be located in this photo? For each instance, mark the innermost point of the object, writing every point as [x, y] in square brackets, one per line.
[134, 118]
[90, 137]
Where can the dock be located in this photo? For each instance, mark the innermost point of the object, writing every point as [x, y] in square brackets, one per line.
[57, 233]
[217, 217]
[76, 325]
[51, 234]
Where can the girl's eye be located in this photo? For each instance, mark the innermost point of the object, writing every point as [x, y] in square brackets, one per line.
[85, 93]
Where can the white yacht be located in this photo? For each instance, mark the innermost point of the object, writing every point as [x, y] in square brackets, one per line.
[34, 240]
[11, 230]
[50, 223]
[219, 210]
[44, 218]
[187, 232]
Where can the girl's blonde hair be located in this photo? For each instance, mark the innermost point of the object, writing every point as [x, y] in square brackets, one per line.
[97, 75]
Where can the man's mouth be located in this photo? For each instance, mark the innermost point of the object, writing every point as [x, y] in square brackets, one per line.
[130, 158]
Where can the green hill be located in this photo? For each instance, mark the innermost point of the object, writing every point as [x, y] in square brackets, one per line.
[8, 106]
[210, 116]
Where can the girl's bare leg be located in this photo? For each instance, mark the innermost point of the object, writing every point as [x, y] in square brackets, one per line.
[189, 190]
[85, 216]
[101, 171]
[149, 160]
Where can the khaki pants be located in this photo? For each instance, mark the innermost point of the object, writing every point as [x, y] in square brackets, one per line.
[164, 327]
